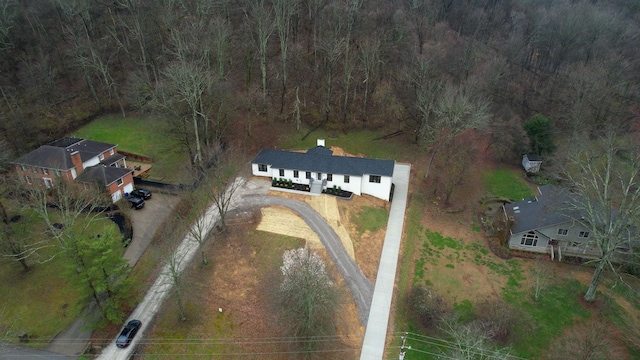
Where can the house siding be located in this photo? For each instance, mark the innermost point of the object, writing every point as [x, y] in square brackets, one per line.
[566, 243]
[380, 190]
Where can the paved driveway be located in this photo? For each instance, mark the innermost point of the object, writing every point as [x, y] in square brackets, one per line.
[375, 335]
[145, 223]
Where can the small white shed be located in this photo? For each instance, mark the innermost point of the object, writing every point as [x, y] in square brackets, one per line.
[531, 162]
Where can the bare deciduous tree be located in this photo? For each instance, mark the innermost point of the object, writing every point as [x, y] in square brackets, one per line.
[469, 342]
[308, 298]
[260, 18]
[604, 177]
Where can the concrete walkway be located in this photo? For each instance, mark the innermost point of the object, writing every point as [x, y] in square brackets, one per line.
[376, 333]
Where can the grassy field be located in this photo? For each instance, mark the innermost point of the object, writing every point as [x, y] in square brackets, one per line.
[371, 219]
[355, 142]
[464, 273]
[41, 302]
[143, 136]
[507, 183]
[208, 332]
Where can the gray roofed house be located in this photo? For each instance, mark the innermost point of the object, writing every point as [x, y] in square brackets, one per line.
[103, 174]
[551, 224]
[319, 168]
[47, 156]
[74, 159]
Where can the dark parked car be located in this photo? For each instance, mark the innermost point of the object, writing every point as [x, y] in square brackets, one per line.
[127, 334]
[141, 193]
[136, 202]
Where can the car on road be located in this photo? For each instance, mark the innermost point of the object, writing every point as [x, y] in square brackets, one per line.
[128, 332]
[136, 202]
[141, 193]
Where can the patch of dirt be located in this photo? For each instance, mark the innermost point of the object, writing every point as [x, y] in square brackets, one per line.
[235, 283]
[280, 220]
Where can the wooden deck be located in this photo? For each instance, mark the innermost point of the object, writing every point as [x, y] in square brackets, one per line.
[140, 169]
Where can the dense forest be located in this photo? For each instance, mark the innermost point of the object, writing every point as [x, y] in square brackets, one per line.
[212, 68]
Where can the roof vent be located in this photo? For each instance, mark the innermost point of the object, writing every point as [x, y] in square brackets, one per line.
[320, 142]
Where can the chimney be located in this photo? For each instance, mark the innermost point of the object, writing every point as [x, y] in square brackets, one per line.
[321, 142]
[77, 162]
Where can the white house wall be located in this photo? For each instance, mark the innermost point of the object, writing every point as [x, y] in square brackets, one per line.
[380, 190]
[91, 162]
[256, 172]
[357, 184]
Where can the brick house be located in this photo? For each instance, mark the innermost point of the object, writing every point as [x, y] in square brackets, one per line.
[80, 160]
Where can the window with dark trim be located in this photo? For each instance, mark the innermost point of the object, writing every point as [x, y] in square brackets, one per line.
[329, 177]
[119, 182]
[563, 232]
[529, 239]
[281, 172]
[346, 179]
[262, 167]
[308, 174]
[296, 173]
[375, 179]
[583, 234]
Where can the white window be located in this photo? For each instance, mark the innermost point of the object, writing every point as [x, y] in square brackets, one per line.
[375, 179]
[262, 167]
[45, 171]
[583, 234]
[563, 232]
[329, 177]
[48, 183]
[119, 182]
[73, 173]
[27, 179]
[529, 239]
[112, 152]
[101, 157]
[23, 168]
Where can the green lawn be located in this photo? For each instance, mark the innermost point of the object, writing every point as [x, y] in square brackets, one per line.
[355, 142]
[508, 184]
[371, 219]
[40, 302]
[143, 135]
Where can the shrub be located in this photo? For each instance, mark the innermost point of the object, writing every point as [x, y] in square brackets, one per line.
[425, 306]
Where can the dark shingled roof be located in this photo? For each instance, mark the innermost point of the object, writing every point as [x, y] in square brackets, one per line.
[88, 148]
[47, 156]
[321, 159]
[551, 207]
[57, 154]
[102, 174]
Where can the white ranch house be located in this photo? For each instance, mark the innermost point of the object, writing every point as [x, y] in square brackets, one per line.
[320, 169]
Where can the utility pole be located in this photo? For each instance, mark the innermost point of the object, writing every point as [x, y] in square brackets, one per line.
[403, 347]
